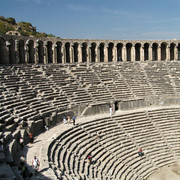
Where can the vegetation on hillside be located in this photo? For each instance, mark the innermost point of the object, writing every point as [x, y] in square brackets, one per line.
[10, 26]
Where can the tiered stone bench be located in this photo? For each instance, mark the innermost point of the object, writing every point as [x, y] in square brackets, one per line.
[115, 153]
[32, 95]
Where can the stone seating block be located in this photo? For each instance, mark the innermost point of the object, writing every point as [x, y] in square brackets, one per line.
[8, 156]
[53, 119]
[13, 147]
[25, 136]
[9, 120]
[16, 134]
[2, 126]
[6, 173]
[34, 117]
[47, 121]
[7, 136]
[2, 158]
[11, 127]
[16, 173]
[37, 126]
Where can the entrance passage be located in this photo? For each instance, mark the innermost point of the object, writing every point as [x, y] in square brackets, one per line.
[116, 106]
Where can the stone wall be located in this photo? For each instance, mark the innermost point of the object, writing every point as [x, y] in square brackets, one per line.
[18, 49]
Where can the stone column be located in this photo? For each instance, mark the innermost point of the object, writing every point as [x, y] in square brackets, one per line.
[88, 53]
[159, 52]
[142, 53]
[17, 51]
[124, 56]
[45, 53]
[70, 53]
[168, 53]
[63, 53]
[89, 50]
[150, 51]
[114, 53]
[26, 53]
[36, 55]
[96, 53]
[7, 56]
[176, 53]
[106, 53]
[54, 49]
[80, 53]
[133, 53]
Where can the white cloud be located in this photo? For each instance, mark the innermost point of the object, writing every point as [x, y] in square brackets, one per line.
[126, 14]
[36, 1]
[161, 35]
[22, 0]
[118, 29]
[78, 7]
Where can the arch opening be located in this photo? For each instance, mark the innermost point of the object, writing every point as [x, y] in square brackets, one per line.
[137, 52]
[110, 52]
[172, 47]
[75, 52]
[119, 51]
[101, 51]
[154, 52]
[146, 51]
[67, 47]
[163, 51]
[21, 51]
[49, 52]
[59, 53]
[93, 52]
[31, 51]
[40, 52]
[84, 52]
[128, 51]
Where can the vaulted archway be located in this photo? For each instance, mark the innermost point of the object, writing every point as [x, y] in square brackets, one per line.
[59, 52]
[75, 48]
[154, 52]
[40, 52]
[93, 52]
[101, 52]
[30, 51]
[110, 52]
[146, 51]
[178, 49]
[128, 51]
[84, 52]
[137, 52]
[3, 53]
[12, 53]
[67, 51]
[21, 51]
[119, 51]
[172, 51]
[49, 52]
[163, 51]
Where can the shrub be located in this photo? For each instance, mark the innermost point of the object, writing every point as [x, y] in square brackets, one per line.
[11, 20]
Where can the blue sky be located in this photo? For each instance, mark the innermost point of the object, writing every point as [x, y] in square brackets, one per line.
[99, 19]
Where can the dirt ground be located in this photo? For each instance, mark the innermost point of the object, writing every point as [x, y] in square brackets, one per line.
[167, 173]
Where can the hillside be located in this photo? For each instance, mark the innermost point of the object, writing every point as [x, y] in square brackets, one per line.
[11, 27]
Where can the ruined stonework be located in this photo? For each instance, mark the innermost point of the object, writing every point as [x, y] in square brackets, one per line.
[17, 49]
[43, 80]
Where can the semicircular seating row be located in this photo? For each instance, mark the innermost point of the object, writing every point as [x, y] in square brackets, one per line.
[114, 155]
[30, 93]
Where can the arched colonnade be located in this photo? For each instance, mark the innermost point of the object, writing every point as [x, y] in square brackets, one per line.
[13, 51]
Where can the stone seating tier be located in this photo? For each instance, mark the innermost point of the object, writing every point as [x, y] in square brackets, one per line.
[31, 92]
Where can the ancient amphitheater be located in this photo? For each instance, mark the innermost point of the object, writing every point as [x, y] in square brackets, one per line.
[44, 79]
